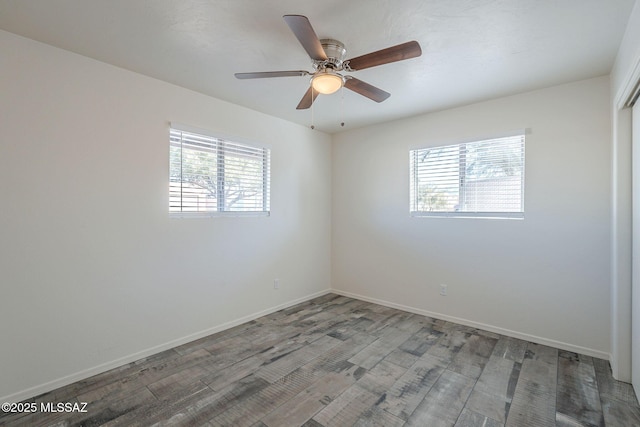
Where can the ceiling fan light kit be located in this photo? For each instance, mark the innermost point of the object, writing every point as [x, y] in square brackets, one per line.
[327, 56]
[327, 82]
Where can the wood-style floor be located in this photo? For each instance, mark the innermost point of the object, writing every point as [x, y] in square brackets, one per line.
[336, 361]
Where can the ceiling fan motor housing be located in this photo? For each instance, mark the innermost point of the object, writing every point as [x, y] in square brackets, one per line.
[335, 52]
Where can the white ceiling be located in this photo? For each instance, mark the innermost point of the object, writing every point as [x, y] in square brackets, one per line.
[473, 50]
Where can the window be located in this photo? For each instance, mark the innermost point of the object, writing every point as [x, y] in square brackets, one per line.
[211, 176]
[474, 179]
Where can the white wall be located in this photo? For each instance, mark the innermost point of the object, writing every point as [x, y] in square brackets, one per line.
[93, 272]
[628, 53]
[545, 278]
[624, 75]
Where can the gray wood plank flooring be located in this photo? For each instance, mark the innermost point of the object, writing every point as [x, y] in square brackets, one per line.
[337, 361]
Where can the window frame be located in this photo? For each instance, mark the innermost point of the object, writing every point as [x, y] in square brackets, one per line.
[222, 152]
[518, 215]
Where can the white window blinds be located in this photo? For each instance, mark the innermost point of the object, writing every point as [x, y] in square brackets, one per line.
[211, 175]
[481, 178]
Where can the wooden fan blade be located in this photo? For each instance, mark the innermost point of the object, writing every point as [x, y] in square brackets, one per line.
[265, 74]
[303, 30]
[365, 89]
[307, 99]
[385, 56]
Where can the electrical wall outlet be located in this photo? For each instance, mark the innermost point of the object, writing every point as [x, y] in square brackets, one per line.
[443, 290]
[276, 284]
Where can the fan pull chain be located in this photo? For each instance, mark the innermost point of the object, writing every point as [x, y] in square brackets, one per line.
[312, 126]
[342, 106]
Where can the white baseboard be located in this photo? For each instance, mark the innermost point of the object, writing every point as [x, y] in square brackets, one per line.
[514, 334]
[84, 374]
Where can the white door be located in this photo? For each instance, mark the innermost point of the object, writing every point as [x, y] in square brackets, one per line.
[635, 251]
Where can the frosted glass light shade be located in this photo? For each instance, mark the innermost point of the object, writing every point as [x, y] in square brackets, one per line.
[326, 83]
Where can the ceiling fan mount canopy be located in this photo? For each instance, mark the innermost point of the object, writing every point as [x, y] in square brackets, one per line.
[328, 59]
[335, 52]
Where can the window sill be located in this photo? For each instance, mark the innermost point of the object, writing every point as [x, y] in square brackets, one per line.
[179, 215]
[473, 215]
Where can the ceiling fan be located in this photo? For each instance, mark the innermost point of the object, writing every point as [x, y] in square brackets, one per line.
[328, 63]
